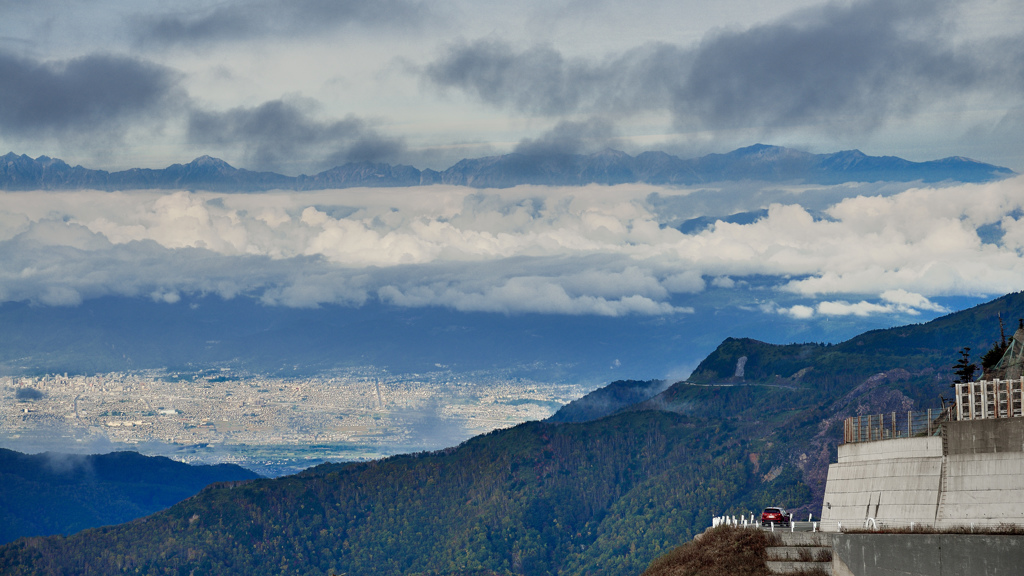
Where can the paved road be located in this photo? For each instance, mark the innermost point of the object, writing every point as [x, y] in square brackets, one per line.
[797, 527]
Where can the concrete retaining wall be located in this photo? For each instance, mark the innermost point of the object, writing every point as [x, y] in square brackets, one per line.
[978, 477]
[927, 555]
[985, 436]
[987, 487]
[924, 447]
[889, 480]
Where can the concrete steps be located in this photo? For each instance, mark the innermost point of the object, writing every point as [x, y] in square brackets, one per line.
[801, 553]
[805, 538]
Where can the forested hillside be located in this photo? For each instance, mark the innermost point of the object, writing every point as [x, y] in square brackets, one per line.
[608, 400]
[598, 498]
[924, 353]
[52, 493]
[757, 424]
[801, 393]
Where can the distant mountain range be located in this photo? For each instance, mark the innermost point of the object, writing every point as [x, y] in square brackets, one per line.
[603, 495]
[53, 493]
[758, 162]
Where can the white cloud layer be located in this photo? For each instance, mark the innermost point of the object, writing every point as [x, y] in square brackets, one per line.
[893, 301]
[592, 250]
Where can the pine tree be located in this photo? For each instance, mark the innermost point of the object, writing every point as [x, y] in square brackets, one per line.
[964, 368]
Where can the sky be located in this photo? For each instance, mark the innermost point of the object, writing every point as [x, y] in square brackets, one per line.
[302, 85]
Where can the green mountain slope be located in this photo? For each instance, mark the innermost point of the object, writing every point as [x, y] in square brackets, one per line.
[51, 493]
[801, 393]
[600, 497]
[608, 400]
[916, 360]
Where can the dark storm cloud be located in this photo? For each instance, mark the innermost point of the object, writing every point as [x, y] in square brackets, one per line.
[278, 131]
[242, 20]
[1007, 58]
[538, 80]
[87, 94]
[541, 81]
[847, 68]
[569, 138]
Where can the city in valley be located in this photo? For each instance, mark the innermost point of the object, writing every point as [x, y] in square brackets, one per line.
[271, 425]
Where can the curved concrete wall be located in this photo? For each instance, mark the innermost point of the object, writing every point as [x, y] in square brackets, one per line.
[892, 481]
[978, 477]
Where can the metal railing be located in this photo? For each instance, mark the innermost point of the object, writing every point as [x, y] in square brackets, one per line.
[980, 400]
[873, 427]
[989, 399]
[977, 525]
[794, 525]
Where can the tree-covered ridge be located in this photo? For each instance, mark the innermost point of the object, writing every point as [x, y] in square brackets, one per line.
[64, 493]
[921, 349]
[608, 400]
[604, 497]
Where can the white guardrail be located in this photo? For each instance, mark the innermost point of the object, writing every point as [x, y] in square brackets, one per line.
[753, 522]
[871, 524]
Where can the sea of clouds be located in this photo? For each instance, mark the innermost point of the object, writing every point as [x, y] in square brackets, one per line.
[856, 249]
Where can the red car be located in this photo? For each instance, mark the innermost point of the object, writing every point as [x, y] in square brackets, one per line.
[777, 515]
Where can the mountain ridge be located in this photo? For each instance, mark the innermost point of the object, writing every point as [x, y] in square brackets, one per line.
[609, 167]
[52, 493]
[603, 497]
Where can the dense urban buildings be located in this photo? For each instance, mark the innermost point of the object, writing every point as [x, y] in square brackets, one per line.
[265, 421]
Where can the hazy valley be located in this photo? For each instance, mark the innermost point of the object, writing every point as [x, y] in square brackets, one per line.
[270, 425]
